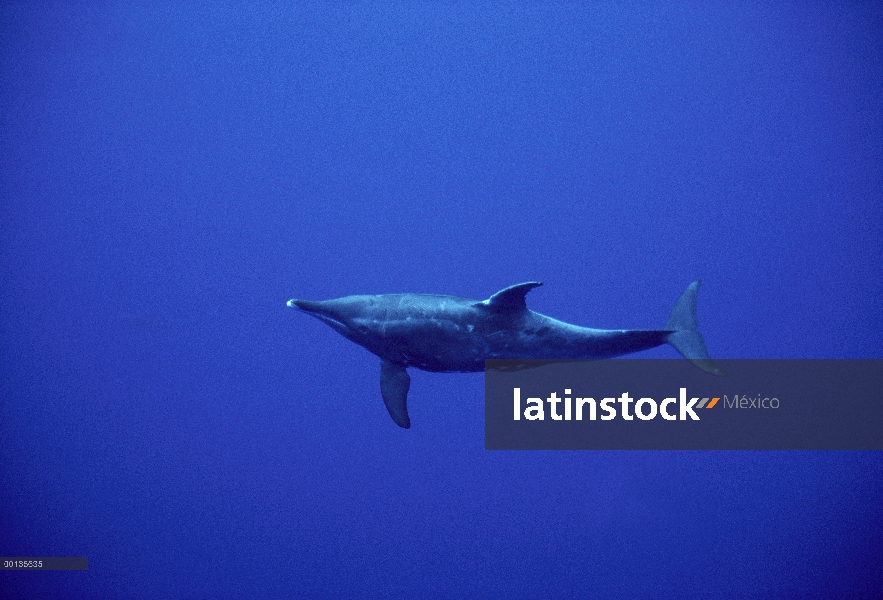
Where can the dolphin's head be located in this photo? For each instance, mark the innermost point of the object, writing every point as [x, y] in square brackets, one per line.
[349, 316]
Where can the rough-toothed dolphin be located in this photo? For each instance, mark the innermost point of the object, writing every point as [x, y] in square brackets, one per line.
[450, 334]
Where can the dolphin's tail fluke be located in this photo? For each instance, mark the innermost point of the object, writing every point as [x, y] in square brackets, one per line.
[682, 324]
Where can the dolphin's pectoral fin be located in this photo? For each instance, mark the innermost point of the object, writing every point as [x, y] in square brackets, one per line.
[394, 384]
[512, 298]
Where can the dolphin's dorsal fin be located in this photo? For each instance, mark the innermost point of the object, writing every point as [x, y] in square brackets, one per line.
[512, 298]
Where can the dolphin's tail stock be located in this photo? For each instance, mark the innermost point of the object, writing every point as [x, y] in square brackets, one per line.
[682, 324]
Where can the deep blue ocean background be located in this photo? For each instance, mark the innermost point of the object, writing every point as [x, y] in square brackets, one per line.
[171, 174]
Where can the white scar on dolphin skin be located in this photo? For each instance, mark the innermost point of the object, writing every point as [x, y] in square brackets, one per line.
[456, 335]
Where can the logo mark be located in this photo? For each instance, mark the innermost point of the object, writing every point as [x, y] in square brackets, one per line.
[710, 404]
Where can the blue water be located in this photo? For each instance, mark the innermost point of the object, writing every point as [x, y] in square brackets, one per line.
[171, 175]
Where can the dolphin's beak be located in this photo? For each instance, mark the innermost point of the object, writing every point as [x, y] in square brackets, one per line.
[305, 305]
[323, 310]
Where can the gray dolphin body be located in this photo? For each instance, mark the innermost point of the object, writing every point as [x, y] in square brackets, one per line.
[450, 334]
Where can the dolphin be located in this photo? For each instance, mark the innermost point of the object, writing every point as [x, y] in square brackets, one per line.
[448, 334]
